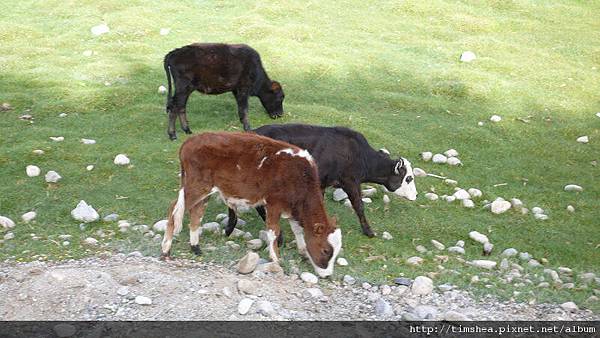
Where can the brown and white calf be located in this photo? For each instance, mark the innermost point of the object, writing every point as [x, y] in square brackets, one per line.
[248, 170]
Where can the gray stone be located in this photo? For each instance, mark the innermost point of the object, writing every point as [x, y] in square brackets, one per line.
[403, 281]
[309, 278]
[509, 252]
[247, 286]
[160, 226]
[52, 177]
[500, 206]
[422, 286]
[438, 245]
[248, 263]
[312, 293]
[504, 264]
[123, 291]
[6, 222]
[573, 187]
[439, 159]
[339, 195]
[478, 237]
[460, 243]
[141, 300]
[487, 248]
[431, 196]
[111, 218]
[383, 308]
[533, 263]
[415, 260]
[425, 311]
[84, 213]
[524, 256]
[342, 261]
[484, 264]
[385, 290]
[244, 305]
[254, 244]
[387, 236]
[349, 280]
[421, 249]
[569, 306]
[265, 308]
[212, 227]
[457, 250]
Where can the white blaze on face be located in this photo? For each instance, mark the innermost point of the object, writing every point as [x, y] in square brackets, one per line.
[335, 240]
[407, 190]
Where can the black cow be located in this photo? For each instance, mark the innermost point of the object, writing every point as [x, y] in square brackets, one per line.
[216, 68]
[344, 160]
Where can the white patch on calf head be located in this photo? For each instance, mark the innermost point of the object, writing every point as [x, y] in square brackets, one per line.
[407, 189]
[335, 240]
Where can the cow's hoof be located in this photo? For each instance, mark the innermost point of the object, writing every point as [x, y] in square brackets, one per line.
[196, 249]
[172, 137]
[187, 131]
[165, 256]
[369, 233]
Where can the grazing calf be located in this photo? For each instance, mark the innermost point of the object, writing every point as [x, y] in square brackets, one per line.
[248, 170]
[344, 160]
[216, 68]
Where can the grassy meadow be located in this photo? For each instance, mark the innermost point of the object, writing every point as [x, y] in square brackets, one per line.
[389, 69]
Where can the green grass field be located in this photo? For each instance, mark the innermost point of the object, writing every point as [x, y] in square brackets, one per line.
[390, 70]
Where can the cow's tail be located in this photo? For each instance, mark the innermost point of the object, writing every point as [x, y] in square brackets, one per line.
[168, 72]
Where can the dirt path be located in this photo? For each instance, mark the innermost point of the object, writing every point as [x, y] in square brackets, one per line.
[108, 289]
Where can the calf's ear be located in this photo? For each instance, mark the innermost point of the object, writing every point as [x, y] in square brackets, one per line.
[275, 86]
[398, 165]
[318, 228]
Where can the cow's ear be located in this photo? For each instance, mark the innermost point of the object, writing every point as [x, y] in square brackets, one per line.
[275, 86]
[398, 165]
[318, 229]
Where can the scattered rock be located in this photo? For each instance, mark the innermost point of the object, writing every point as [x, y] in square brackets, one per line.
[254, 244]
[438, 245]
[565, 271]
[418, 172]
[456, 249]
[52, 176]
[403, 281]
[28, 216]
[541, 217]
[495, 118]
[425, 311]
[100, 29]
[245, 305]
[509, 252]
[460, 243]
[88, 141]
[569, 306]
[467, 56]
[573, 187]
[367, 200]
[484, 264]
[121, 159]
[312, 293]
[248, 263]
[84, 213]
[89, 167]
[478, 237]
[583, 139]
[123, 291]
[475, 193]
[487, 248]
[533, 263]
[504, 264]
[91, 241]
[426, 156]
[265, 308]
[431, 196]
[213, 227]
[451, 153]
[309, 278]
[570, 208]
[524, 256]
[454, 161]
[386, 199]
[342, 261]
[461, 194]
[247, 286]
[38, 152]
[439, 159]
[349, 280]
[385, 290]
[111, 218]
[368, 192]
[537, 210]
[450, 182]
[383, 308]
[387, 236]
[5, 106]
[162, 90]
[57, 138]
[422, 286]
[421, 249]
[32, 170]
[516, 203]
[9, 236]
[6, 222]
[160, 226]
[500, 206]
[415, 260]
[142, 300]
[339, 194]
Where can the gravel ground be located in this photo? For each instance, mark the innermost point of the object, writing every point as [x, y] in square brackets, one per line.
[118, 287]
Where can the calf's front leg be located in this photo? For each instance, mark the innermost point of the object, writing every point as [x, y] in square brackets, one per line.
[299, 234]
[273, 231]
[355, 197]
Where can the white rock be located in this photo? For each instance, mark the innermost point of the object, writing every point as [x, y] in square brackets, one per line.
[32, 170]
[484, 264]
[422, 286]
[90, 241]
[29, 216]
[368, 192]
[141, 300]
[478, 237]
[52, 176]
[499, 206]
[89, 167]
[121, 159]
[383, 308]
[461, 194]
[418, 172]
[460, 243]
[583, 139]
[248, 263]
[454, 161]
[342, 261]
[431, 196]
[516, 203]
[162, 90]
[6, 222]
[57, 138]
[38, 152]
[570, 208]
[84, 213]
[541, 217]
[495, 118]
[439, 159]
[467, 56]
[598, 114]
[426, 156]
[9, 236]
[349, 280]
[569, 306]
[165, 31]
[537, 210]
[487, 248]
[265, 308]
[347, 203]
[309, 278]
[367, 200]
[339, 194]
[474, 192]
[450, 182]
[451, 153]
[468, 203]
[450, 199]
[509, 252]
[480, 123]
[387, 236]
[160, 226]
[254, 244]
[245, 305]
[415, 260]
[312, 293]
[88, 141]
[456, 249]
[438, 245]
[87, 53]
[573, 187]
[386, 199]
[100, 29]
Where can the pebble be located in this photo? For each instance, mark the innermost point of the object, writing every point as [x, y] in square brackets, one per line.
[403, 281]
[387, 236]
[32, 170]
[544, 285]
[368, 192]
[426, 156]
[439, 159]
[111, 218]
[421, 248]
[265, 308]
[467, 203]
[534, 263]
[162, 89]
[425, 311]
[383, 308]
[6, 222]
[38, 152]
[52, 176]
[349, 280]
[88, 141]
[28, 216]
[583, 139]
[84, 213]
[339, 195]
[347, 203]
[450, 199]
[418, 172]
[248, 263]
[500, 206]
[454, 161]
[569, 306]
[451, 153]
[456, 249]
[6, 107]
[516, 203]
[537, 210]
[123, 291]
[484, 264]
[460, 243]
[509, 252]
[89, 167]
[475, 193]
[254, 244]
[487, 248]
[415, 260]
[541, 217]
[164, 31]
[422, 286]
[247, 286]
[245, 305]
[309, 278]
[342, 261]
[121, 159]
[142, 300]
[312, 293]
[57, 138]
[367, 200]
[564, 270]
[570, 208]
[160, 226]
[386, 199]
[438, 245]
[450, 182]
[524, 256]
[573, 187]
[64, 330]
[213, 227]
[467, 56]
[461, 194]
[431, 196]
[478, 237]
[385, 290]
[9, 236]
[495, 118]
[91, 241]
[504, 264]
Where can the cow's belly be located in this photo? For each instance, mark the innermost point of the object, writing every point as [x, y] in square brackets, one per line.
[239, 204]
